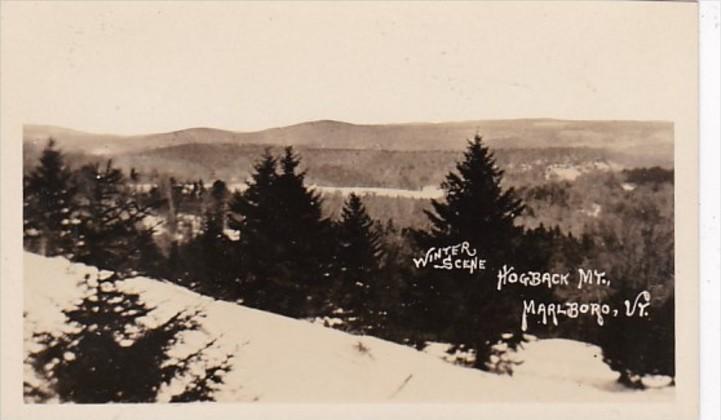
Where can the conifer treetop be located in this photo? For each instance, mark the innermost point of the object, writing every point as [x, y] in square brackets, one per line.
[475, 202]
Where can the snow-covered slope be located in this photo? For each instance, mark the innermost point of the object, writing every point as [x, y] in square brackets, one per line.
[279, 359]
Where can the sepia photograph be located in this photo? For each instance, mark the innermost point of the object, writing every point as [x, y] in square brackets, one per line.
[379, 203]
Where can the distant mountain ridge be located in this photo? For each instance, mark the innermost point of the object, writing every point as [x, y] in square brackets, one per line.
[328, 134]
[341, 154]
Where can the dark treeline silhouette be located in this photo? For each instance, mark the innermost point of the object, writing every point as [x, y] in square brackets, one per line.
[272, 247]
[655, 175]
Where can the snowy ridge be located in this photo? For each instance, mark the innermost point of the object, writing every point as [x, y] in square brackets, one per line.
[279, 359]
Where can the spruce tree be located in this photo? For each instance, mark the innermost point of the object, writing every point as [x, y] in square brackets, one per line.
[216, 208]
[307, 255]
[635, 346]
[476, 208]
[108, 355]
[111, 231]
[251, 214]
[284, 240]
[358, 258]
[463, 308]
[48, 204]
[209, 258]
[394, 317]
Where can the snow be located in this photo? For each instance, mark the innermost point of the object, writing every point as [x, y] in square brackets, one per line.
[279, 359]
[563, 173]
[595, 210]
[566, 360]
[154, 222]
[628, 186]
[232, 234]
[427, 192]
[569, 172]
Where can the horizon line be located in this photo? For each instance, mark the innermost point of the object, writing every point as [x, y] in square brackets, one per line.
[200, 127]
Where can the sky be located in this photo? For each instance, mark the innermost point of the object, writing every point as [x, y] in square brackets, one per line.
[127, 68]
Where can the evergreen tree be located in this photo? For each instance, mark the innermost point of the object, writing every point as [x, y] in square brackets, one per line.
[476, 208]
[636, 345]
[306, 258]
[463, 308]
[134, 176]
[284, 240]
[201, 187]
[111, 231]
[359, 255]
[209, 253]
[394, 319]
[635, 249]
[48, 204]
[109, 355]
[216, 208]
[252, 216]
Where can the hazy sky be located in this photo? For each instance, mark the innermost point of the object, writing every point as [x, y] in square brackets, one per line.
[148, 67]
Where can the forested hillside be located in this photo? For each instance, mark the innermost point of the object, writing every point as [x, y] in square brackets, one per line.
[414, 271]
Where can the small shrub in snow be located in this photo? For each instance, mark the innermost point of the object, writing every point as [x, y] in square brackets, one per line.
[363, 349]
[110, 354]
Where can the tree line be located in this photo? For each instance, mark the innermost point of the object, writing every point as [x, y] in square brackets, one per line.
[284, 256]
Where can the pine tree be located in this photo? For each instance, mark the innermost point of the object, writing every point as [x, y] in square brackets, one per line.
[111, 230]
[109, 355]
[48, 204]
[465, 308]
[358, 254]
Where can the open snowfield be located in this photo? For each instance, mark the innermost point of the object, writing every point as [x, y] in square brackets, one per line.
[279, 359]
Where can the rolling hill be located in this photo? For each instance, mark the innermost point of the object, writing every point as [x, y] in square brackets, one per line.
[408, 156]
[521, 133]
